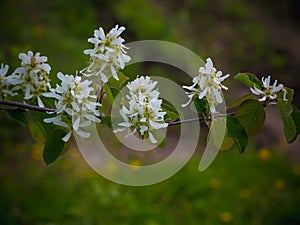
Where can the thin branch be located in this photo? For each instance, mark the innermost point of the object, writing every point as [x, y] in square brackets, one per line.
[200, 118]
[12, 109]
[177, 122]
[23, 106]
[26, 106]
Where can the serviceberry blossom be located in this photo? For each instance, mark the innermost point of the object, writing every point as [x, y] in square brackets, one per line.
[75, 104]
[269, 91]
[143, 87]
[5, 81]
[108, 54]
[207, 84]
[33, 76]
[144, 114]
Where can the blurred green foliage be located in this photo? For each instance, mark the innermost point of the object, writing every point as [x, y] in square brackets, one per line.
[256, 188]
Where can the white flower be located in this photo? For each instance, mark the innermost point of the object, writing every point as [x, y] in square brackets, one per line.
[34, 62]
[269, 91]
[144, 114]
[207, 84]
[5, 81]
[143, 87]
[108, 54]
[32, 77]
[74, 100]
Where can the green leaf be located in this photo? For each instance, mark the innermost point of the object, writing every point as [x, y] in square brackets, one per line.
[227, 143]
[54, 146]
[114, 92]
[109, 94]
[251, 115]
[235, 103]
[160, 137]
[19, 116]
[249, 79]
[37, 131]
[289, 94]
[107, 120]
[237, 132]
[217, 131]
[289, 125]
[201, 105]
[112, 82]
[172, 113]
[296, 119]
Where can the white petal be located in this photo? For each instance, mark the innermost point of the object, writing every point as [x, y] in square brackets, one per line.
[76, 123]
[83, 134]
[40, 103]
[67, 137]
[152, 139]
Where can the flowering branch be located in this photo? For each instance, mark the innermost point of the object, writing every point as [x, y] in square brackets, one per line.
[79, 99]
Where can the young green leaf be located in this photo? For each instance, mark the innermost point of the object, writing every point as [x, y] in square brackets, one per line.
[19, 116]
[37, 131]
[201, 105]
[237, 132]
[289, 125]
[107, 120]
[112, 82]
[109, 94]
[54, 146]
[227, 143]
[160, 137]
[235, 103]
[249, 79]
[296, 118]
[289, 94]
[251, 115]
[172, 113]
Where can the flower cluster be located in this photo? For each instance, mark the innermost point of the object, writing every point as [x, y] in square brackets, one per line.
[144, 114]
[269, 91]
[108, 54]
[5, 82]
[32, 77]
[207, 84]
[74, 101]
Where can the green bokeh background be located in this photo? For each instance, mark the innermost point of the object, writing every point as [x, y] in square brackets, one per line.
[261, 186]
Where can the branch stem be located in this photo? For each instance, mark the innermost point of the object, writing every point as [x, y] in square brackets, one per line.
[25, 106]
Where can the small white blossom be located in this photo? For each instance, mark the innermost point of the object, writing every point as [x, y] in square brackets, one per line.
[144, 114]
[74, 100]
[5, 81]
[33, 76]
[108, 55]
[207, 84]
[269, 91]
[143, 87]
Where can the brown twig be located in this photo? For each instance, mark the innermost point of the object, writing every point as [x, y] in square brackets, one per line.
[25, 106]
[200, 118]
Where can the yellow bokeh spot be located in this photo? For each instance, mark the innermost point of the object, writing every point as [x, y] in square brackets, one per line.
[296, 170]
[264, 154]
[21, 148]
[214, 183]
[36, 151]
[226, 217]
[111, 168]
[279, 184]
[135, 164]
[37, 31]
[244, 193]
